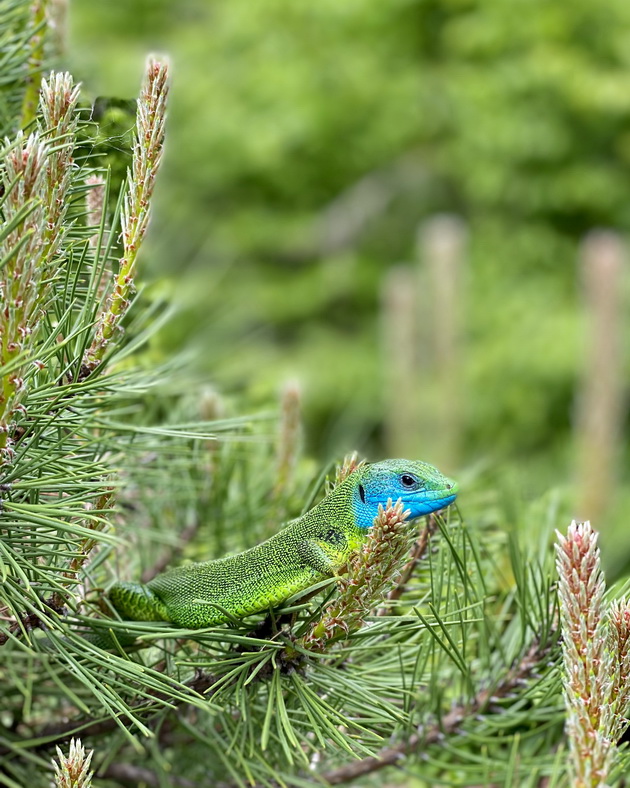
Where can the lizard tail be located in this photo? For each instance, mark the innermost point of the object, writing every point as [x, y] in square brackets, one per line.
[137, 602]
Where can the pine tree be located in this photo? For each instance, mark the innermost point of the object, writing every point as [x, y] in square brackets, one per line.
[437, 655]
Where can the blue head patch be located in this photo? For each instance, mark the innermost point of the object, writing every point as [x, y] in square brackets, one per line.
[420, 486]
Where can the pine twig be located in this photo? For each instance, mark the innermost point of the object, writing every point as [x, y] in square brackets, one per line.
[73, 770]
[418, 551]
[147, 155]
[36, 180]
[449, 724]
[350, 464]
[25, 166]
[87, 545]
[589, 665]
[28, 622]
[619, 627]
[369, 573]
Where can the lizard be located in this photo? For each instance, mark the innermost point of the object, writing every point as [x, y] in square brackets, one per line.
[308, 549]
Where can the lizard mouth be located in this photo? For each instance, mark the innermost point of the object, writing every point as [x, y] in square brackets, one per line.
[445, 501]
[428, 498]
[427, 501]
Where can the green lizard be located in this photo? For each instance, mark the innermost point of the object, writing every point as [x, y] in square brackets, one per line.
[307, 550]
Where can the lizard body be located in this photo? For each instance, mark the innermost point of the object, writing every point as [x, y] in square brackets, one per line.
[308, 549]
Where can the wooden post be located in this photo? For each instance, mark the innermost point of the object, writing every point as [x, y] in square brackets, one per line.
[289, 437]
[422, 307]
[441, 251]
[600, 401]
[402, 419]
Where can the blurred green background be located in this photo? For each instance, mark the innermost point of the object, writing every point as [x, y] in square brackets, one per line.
[311, 147]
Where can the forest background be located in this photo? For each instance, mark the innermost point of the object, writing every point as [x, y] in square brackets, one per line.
[311, 147]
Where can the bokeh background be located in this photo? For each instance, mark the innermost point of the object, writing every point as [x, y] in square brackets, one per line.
[416, 209]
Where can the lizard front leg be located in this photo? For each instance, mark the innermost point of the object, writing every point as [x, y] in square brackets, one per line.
[326, 555]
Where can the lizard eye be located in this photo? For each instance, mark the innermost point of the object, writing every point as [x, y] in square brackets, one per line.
[408, 481]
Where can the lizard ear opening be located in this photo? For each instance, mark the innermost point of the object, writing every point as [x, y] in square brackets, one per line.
[362, 493]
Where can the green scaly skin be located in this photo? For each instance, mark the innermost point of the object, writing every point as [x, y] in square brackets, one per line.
[311, 548]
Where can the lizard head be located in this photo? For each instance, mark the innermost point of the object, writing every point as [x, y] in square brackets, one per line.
[420, 486]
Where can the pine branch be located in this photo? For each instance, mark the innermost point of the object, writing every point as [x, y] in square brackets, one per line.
[459, 715]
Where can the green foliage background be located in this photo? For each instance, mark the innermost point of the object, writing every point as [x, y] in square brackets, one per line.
[515, 116]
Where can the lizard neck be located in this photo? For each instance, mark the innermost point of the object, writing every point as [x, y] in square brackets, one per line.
[361, 512]
[351, 513]
[338, 508]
